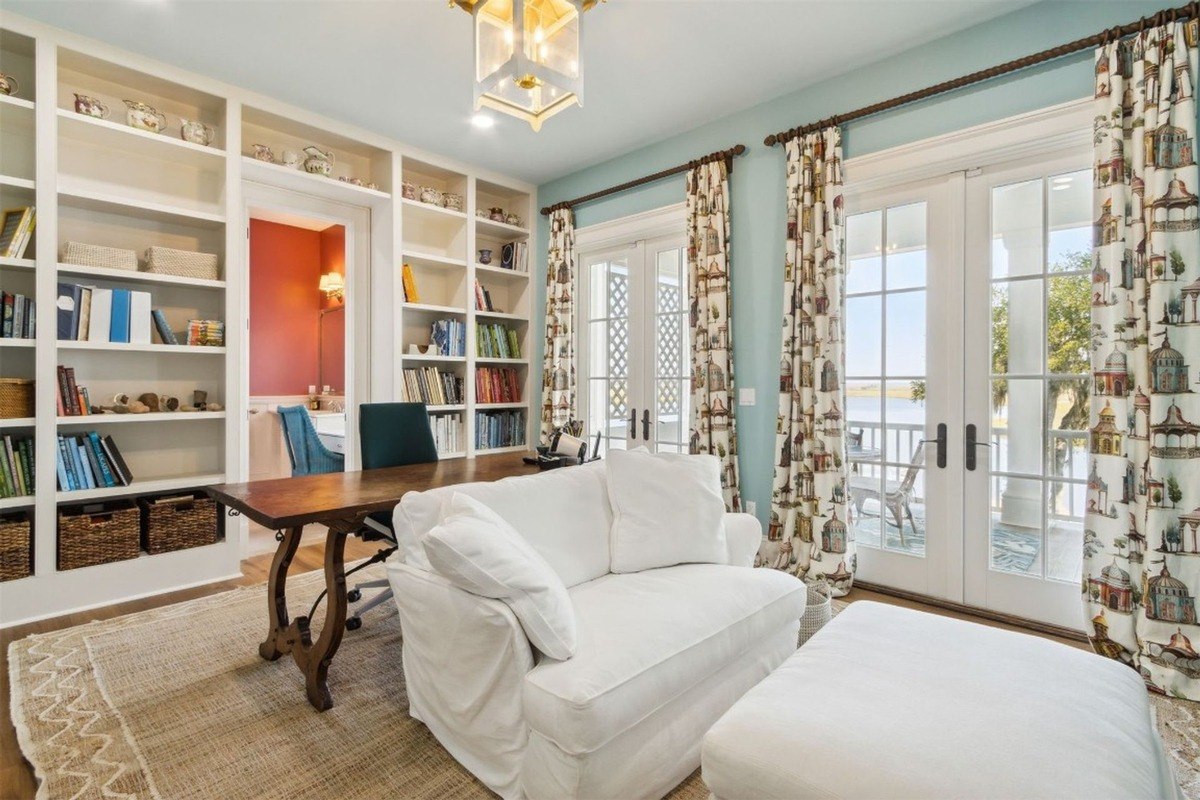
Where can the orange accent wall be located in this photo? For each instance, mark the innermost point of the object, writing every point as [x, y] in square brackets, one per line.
[333, 259]
[285, 269]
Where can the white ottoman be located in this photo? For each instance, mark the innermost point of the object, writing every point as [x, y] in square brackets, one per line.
[886, 702]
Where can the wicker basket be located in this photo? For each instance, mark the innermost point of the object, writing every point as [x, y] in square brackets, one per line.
[14, 547]
[94, 255]
[177, 522]
[16, 398]
[818, 611]
[97, 534]
[184, 263]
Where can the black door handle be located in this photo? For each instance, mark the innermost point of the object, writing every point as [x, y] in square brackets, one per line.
[971, 443]
[633, 423]
[941, 444]
[646, 424]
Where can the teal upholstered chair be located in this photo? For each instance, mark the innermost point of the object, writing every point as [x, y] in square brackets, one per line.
[389, 435]
[304, 448]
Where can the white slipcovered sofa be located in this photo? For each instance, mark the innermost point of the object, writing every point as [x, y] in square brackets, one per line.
[661, 654]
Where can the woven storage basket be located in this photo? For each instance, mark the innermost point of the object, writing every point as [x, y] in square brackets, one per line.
[14, 547]
[177, 522]
[98, 534]
[16, 398]
[184, 263]
[818, 611]
[94, 255]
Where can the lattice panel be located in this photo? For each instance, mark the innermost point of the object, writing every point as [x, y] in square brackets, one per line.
[668, 298]
[669, 398]
[670, 344]
[618, 344]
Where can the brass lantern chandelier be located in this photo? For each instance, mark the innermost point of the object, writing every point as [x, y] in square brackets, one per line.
[527, 55]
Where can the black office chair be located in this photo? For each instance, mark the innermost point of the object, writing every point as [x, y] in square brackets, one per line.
[389, 435]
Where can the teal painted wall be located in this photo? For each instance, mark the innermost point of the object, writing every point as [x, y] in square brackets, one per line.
[757, 184]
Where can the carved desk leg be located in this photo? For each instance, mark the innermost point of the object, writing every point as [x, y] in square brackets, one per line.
[277, 613]
[314, 659]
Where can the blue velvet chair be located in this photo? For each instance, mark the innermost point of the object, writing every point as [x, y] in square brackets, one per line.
[389, 435]
[305, 451]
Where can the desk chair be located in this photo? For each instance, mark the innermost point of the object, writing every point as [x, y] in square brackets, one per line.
[305, 451]
[390, 435]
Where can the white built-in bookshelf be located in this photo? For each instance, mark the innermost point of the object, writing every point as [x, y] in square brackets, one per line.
[103, 182]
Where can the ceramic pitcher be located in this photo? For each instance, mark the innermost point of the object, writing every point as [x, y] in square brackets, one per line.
[145, 117]
[196, 132]
[8, 84]
[319, 162]
[90, 106]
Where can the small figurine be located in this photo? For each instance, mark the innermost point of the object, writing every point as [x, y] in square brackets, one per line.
[138, 407]
[168, 403]
[200, 399]
[150, 400]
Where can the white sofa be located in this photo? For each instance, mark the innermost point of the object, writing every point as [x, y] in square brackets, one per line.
[661, 654]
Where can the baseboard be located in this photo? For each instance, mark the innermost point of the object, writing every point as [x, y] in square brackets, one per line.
[974, 611]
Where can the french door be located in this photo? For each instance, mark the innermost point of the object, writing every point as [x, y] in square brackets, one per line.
[636, 345]
[967, 362]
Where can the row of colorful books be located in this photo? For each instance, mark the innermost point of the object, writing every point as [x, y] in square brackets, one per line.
[95, 314]
[499, 429]
[73, 400]
[20, 316]
[515, 256]
[16, 466]
[449, 337]
[447, 432]
[483, 299]
[89, 461]
[497, 341]
[497, 385]
[433, 387]
[16, 231]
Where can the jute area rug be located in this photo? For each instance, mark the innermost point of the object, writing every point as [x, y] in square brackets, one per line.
[175, 703]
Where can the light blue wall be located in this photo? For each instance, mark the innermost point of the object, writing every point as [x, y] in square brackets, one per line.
[757, 184]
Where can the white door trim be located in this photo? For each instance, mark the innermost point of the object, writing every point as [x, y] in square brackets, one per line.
[625, 231]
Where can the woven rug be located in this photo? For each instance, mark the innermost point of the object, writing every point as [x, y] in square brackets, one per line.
[175, 703]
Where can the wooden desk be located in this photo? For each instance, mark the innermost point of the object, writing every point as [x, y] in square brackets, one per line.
[339, 500]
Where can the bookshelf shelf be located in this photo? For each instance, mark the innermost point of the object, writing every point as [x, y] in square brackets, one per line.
[502, 315]
[18, 343]
[434, 309]
[498, 406]
[10, 503]
[17, 422]
[107, 202]
[419, 209]
[488, 272]
[152, 486]
[417, 259]
[173, 349]
[89, 420]
[300, 180]
[436, 409]
[141, 277]
[520, 362]
[17, 183]
[81, 129]
[18, 263]
[449, 359]
[516, 448]
[500, 230]
[16, 103]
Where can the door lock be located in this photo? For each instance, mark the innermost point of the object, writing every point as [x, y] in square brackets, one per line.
[940, 440]
[971, 443]
[646, 424]
[633, 423]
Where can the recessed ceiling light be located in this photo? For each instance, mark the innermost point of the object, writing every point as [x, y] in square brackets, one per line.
[482, 121]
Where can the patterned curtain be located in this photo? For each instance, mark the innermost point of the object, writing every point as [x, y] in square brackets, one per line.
[1142, 531]
[558, 364]
[808, 533]
[713, 429]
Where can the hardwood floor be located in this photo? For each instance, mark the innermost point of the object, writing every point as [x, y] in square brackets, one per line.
[16, 778]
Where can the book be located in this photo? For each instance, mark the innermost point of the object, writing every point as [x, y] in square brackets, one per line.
[110, 479]
[6, 322]
[18, 316]
[67, 307]
[85, 313]
[139, 317]
[164, 330]
[89, 479]
[71, 400]
[25, 235]
[115, 458]
[118, 330]
[30, 319]
[205, 333]
[101, 315]
[60, 466]
[12, 229]
[410, 285]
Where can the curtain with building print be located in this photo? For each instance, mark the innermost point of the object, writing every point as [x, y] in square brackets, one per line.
[1142, 530]
[713, 428]
[808, 534]
[558, 358]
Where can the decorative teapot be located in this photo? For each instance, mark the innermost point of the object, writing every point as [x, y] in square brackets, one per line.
[8, 84]
[431, 195]
[196, 132]
[512, 219]
[496, 214]
[319, 162]
[263, 152]
[90, 106]
[145, 117]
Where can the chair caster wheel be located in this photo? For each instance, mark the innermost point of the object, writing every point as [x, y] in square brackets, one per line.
[354, 595]
[353, 624]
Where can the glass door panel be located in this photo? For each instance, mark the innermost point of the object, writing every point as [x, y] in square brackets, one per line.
[608, 362]
[671, 336]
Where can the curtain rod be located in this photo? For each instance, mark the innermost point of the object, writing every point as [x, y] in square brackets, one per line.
[721, 155]
[1190, 11]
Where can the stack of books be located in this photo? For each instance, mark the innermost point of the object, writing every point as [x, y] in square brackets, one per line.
[20, 316]
[447, 432]
[499, 429]
[448, 337]
[205, 333]
[16, 466]
[497, 385]
[497, 341]
[515, 256]
[94, 314]
[483, 299]
[73, 401]
[89, 461]
[16, 231]
[432, 386]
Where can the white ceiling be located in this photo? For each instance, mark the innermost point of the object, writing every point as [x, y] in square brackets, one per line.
[403, 68]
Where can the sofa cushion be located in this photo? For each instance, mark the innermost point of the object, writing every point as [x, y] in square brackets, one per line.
[563, 513]
[891, 702]
[667, 509]
[644, 638]
[477, 551]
